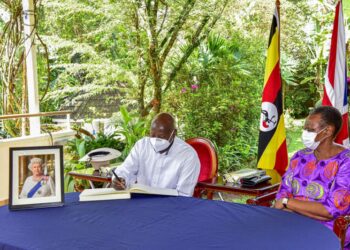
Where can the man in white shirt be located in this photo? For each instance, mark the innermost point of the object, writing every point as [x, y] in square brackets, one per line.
[161, 160]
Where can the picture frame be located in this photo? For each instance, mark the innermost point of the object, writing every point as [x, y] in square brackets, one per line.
[36, 177]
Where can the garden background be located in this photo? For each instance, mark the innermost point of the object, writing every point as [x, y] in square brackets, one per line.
[202, 61]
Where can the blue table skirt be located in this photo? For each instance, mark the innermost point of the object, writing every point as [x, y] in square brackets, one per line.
[151, 222]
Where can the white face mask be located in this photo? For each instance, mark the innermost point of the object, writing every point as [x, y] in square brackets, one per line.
[160, 144]
[308, 139]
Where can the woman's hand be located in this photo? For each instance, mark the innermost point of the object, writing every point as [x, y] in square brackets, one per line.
[278, 204]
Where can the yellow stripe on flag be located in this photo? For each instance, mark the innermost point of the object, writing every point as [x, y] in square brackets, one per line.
[275, 176]
[272, 57]
[268, 158]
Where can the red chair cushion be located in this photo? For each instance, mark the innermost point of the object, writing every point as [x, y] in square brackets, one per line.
[206, 162]
[206, 153]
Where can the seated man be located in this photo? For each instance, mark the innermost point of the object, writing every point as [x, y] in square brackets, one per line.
[161, 160]
[317, 182]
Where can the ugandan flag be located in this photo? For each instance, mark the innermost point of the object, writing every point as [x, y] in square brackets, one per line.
[272, 150]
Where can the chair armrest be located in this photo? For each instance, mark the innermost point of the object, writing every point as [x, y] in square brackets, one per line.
[340, 226]
[210, 180]
[263, 200]
[199, 191]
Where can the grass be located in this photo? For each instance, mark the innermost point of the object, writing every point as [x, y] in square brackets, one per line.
[229, 197]
[293, 132]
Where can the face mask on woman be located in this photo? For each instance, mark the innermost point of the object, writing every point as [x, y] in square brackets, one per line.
[308, 139]
[160, 144]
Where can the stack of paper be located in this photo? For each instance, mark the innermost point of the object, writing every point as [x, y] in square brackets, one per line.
[234, 177]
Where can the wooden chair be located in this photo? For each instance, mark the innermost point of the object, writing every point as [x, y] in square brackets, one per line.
[340, 226]
[209, 162]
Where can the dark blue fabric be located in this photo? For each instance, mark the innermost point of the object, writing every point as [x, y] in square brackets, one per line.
[34, 189]
[149, 222]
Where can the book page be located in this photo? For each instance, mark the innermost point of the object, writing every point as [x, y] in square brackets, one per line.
[116, 196]
[143, 189]
[103, 194]
[102, 191]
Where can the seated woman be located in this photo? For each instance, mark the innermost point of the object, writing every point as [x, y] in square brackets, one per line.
[317, 182]
[37, 185]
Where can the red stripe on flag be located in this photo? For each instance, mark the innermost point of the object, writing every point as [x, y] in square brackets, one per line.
[325, 99]
[344, 133]
[333, 52]
[281, 159]
[273, 85]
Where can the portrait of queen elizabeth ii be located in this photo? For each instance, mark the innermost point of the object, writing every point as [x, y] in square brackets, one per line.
[39, 184]
[36, 177]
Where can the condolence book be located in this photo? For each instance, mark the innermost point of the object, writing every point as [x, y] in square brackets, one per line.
[112, 194]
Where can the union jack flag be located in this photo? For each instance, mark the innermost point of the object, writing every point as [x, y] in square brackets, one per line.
[335, 88]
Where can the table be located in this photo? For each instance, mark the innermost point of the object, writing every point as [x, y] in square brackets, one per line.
[201, 186]
[258, 190]
[211, 186]
[154, 222]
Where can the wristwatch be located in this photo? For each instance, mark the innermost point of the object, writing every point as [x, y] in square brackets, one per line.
[285, 202]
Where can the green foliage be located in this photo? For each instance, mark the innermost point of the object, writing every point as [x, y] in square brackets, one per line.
[79, 147]
[86, 55]
[130, 127]
[219, 98]
[300, 99]
[240, 154]
[306, 65]
[69, 182]
[294, 142]
[4, 134]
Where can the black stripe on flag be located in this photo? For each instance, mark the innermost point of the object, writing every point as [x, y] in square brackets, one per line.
[265, 137]
[273, 28]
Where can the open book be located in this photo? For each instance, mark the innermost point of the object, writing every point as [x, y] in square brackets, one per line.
[112, 194]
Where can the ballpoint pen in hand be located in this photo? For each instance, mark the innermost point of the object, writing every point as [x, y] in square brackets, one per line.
[116, 176]
[118, 179]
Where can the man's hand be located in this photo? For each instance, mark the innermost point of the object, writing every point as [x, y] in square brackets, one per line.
[118, 185]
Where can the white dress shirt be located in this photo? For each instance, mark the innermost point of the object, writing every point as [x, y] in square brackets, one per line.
[178, 169]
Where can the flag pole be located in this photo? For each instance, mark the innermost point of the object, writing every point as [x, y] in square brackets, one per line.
[278, 6]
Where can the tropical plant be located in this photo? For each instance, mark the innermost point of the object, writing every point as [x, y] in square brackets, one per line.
[79, 147]
[217, 96]
[130, 128]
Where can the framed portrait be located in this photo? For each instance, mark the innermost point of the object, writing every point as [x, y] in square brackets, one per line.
[36, 177]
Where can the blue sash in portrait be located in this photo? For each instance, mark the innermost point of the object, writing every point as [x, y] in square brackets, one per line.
[34, 189]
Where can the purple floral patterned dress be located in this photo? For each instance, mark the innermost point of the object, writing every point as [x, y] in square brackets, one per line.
[325, 181]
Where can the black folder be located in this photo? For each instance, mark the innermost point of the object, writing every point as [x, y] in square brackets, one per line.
[254, 180]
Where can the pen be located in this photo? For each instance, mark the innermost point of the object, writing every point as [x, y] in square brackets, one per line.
[116, 176]
[120, 181]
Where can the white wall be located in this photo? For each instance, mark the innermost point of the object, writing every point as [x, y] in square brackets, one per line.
[28, 141]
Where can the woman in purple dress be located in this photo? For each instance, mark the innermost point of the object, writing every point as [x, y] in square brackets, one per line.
[317, 182]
